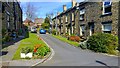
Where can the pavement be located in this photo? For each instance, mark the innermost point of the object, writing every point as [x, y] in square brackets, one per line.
[68, 55]
[8, 52]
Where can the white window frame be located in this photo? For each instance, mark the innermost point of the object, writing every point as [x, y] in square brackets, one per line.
[105, 7]
[66, 19]
[82, 11]
[103, 28]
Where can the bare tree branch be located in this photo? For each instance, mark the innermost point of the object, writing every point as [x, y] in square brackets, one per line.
[30, 11]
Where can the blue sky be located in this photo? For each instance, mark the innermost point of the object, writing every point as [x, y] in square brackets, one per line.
[47, 7]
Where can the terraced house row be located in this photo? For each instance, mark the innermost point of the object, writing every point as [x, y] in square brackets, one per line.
[11, 13]
[87, 18]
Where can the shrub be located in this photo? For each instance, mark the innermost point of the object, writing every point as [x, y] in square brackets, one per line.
[41, 50]
[77, 38]
[26, 50]
[66, 35]
[74, 38]
[54, 32]
[6, 38]
[83, 45]
[101, 42]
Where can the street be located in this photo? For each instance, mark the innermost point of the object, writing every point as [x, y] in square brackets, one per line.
[67, 55]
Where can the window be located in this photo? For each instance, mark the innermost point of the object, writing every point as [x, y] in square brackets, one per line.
[107, 7]
[82, 17]
[8, 19]
[82, 12]
[107, 28]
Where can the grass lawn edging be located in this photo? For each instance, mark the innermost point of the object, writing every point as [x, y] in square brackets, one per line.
[76, 44]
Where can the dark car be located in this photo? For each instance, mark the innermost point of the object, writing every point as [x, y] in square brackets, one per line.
[42, 31]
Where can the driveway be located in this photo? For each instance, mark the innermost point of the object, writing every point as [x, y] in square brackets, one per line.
[68, 55]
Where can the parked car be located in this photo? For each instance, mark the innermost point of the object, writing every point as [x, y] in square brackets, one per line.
[42, 31]
[33, 29]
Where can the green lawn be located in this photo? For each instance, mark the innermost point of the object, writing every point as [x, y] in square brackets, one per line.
[65, 40]
[29, 42]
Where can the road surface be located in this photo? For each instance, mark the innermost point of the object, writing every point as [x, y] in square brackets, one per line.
[68, 55]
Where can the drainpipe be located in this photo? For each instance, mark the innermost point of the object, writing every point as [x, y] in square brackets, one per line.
[71, 24]
[56, 25]
[77, 29]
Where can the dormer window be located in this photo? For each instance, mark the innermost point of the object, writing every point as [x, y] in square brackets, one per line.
[106, 7]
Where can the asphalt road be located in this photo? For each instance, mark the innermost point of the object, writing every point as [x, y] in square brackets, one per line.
[68, 55]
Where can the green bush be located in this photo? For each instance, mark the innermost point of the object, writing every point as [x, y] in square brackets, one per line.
[6, 38]
[26, 50]
[102, 42]
[54, 32]
[42, 51]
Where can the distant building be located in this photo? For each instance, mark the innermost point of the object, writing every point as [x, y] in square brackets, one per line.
[38, 21]
[27, 22]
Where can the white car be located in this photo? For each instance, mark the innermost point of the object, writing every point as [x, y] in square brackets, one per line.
[33, 29]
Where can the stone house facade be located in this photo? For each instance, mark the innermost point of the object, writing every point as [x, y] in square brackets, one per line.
[87, 18]
[11, 15]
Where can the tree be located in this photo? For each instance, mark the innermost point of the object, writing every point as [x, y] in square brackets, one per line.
[47, 20]
[30, 11]
[46, 23]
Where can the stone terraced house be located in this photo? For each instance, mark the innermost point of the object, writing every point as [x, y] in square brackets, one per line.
[11, 15]
[87, 18]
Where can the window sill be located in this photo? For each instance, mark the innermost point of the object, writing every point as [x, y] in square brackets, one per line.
[82, 20]
[106, 14]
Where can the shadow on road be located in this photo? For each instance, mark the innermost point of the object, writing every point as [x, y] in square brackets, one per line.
[103, 63]
[3, 53]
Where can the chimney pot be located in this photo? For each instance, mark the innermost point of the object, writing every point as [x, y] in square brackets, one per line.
[73, 3]
[64, 8]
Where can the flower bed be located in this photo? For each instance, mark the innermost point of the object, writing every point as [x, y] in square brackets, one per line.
[33, 45]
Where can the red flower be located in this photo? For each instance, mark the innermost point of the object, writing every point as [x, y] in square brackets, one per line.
[35, 50]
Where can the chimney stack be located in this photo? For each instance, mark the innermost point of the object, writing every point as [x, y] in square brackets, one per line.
[64, 8]
[73, 3]
[58, 13]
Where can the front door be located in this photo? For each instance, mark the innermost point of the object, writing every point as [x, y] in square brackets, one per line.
[91, 29]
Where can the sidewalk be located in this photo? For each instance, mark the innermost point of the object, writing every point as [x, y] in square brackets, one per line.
[10, 50]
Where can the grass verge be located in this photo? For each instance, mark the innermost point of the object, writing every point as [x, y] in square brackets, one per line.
[65, 40]
[28, 42]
